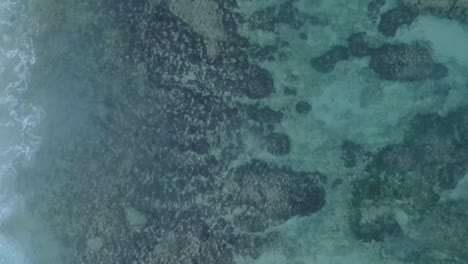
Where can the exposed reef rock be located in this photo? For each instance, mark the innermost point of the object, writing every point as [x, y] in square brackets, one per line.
[455, 9]
[405, 63]
[393, 19]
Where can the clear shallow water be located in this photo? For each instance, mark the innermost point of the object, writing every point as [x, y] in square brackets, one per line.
[182, 139]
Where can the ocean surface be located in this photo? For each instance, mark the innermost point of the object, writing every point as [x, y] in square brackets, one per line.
[18, 118]
[233, 132]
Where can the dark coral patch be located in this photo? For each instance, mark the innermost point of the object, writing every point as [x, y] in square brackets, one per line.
[401, 62]
[393, 19]
[326, 62]
[278, 144]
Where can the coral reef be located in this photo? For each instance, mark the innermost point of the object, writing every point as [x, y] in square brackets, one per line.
[455, 9]
[410, 179]
[160, 186]
[405, 63]
[326, 62]
[393, 19]
[205, 18]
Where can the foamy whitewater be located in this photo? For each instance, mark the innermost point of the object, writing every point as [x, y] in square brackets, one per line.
[17, 143]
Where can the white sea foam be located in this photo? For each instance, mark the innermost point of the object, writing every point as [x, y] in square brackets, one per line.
[17, 119]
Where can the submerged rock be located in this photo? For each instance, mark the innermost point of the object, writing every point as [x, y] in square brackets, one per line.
[279, 193]
[290, 91]
[455, 9]
[264, 114]
[263, 53]
[286, 13]
[448, 233]
[396, 158]
[173, 110]
[378, 229]
[290, 15]
[391, 20]
[264, 19]
[303, 36]
[352, 153]
[303, 107]
[278, 144]
[411, 177]
[326, 62]
[402, 62]
[261, 84]
[358, 45]
[373, 8]
[205, 18]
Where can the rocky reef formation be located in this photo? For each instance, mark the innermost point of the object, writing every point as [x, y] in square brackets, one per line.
[395, 62]
[358, 44]
[408, 10]
[161, 185]
[454, 9]
[172, 179]
[373, 8]
[278, 144]
[405, 63]
[405, 182]
[284, 14]
[326, 62]
[303, 107]
[393, 19]
[205, 18]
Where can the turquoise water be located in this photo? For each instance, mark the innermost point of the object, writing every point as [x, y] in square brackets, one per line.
[233, 131]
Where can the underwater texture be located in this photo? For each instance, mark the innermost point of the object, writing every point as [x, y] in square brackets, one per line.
[234, 132]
